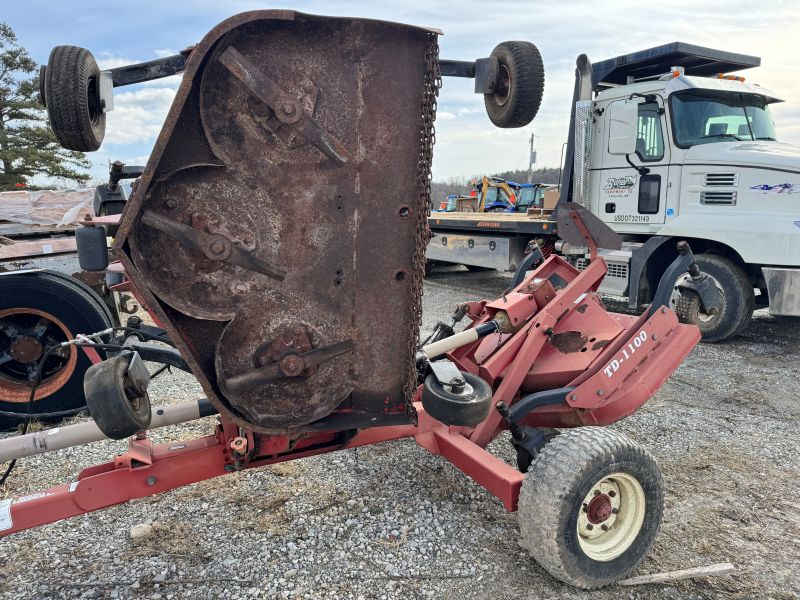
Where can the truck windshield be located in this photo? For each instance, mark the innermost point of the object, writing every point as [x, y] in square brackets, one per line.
[705, 116]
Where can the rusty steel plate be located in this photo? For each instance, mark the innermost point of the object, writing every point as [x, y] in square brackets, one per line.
[279, 224]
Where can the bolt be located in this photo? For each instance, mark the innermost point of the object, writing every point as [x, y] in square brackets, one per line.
[217, 247]
[604, 527]
[612, 493]
[663, 309]
[600, 392]
[151, 480]
[288, 108]
[655, 337]
[589, 526]
[614, 511]
[585, 507]
[597, 492]
[573, 397]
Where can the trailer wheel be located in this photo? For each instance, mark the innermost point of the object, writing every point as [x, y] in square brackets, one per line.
[72, 94]
[738, 300]
[590, 507]
[39, 309]
[519, 87]
[118, 409]
[465, 407]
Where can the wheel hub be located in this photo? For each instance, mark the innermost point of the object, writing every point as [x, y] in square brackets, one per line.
[26, 349]
[611, 516]
[599, 509]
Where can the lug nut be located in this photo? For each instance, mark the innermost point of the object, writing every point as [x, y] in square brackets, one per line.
[589, 526]
[597, 492]
[614, 511]
[604, 527]
[585, 507]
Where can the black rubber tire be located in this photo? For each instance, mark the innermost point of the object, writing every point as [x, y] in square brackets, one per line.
[92, 248]
[77, 307]
[117, 410]
[42, 76]
[466, 410]
[71, 83]
[738, 306]
[516, 105]
[552, 494]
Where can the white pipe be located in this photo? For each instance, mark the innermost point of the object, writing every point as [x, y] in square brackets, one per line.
[450, 343]
[58, 438]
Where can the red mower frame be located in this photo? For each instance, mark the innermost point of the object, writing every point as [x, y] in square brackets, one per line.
[562, 337]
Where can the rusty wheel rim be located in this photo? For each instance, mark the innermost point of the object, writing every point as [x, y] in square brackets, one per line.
[25, 335]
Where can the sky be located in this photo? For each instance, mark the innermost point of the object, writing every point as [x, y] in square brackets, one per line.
[123, 32]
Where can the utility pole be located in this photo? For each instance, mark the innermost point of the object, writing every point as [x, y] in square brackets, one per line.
[531, 160]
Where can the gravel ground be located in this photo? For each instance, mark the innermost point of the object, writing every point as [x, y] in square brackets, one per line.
[392, 521]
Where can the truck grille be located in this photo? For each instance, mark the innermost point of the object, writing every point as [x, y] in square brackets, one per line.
[618, 270]
[721, 179]
[718, 198]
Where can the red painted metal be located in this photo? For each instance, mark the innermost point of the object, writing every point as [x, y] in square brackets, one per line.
[559, 335]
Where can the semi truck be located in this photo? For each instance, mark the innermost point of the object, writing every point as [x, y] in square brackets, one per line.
[666, 144]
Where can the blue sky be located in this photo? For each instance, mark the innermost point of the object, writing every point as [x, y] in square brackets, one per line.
[467, 144]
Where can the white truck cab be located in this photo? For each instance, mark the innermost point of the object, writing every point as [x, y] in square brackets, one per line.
[666, 148]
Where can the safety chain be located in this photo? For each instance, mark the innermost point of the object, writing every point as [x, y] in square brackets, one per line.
[433, 81]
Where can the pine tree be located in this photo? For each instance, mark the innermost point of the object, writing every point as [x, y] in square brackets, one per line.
[27, 145]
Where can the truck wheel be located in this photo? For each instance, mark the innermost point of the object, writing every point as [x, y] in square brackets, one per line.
[466, 407]
[519, 87]
[590, 507]
[39, 309]
[738, 300]
[72, 93]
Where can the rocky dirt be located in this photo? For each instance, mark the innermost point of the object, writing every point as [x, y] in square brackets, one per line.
[392, 521]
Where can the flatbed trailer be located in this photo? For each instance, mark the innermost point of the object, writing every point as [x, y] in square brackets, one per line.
[489, 240]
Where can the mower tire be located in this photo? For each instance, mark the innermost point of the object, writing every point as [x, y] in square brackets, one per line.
[39, 309]
[118, 409]
[519, 88]
[590, 507]
[466, 408]
[72, 95]
[738, 300]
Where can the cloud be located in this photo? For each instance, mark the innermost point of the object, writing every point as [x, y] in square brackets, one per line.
[138, 115]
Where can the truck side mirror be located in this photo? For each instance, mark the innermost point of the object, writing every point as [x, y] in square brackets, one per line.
[622, 122]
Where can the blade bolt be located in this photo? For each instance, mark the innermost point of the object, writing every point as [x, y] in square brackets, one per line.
[288, 108]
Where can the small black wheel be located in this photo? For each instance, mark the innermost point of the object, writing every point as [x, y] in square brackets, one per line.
[117, 407]
[738, 300]
[519, 87]
[92, 248]
[590, 507]
[467, 406]
[72, 94]
[39, 309]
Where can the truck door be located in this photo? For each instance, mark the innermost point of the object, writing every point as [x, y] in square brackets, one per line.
[626, 195]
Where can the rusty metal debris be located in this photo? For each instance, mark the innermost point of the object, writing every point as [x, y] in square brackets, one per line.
[263, 231]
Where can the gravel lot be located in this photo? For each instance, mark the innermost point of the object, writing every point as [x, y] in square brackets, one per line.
[392, 521]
